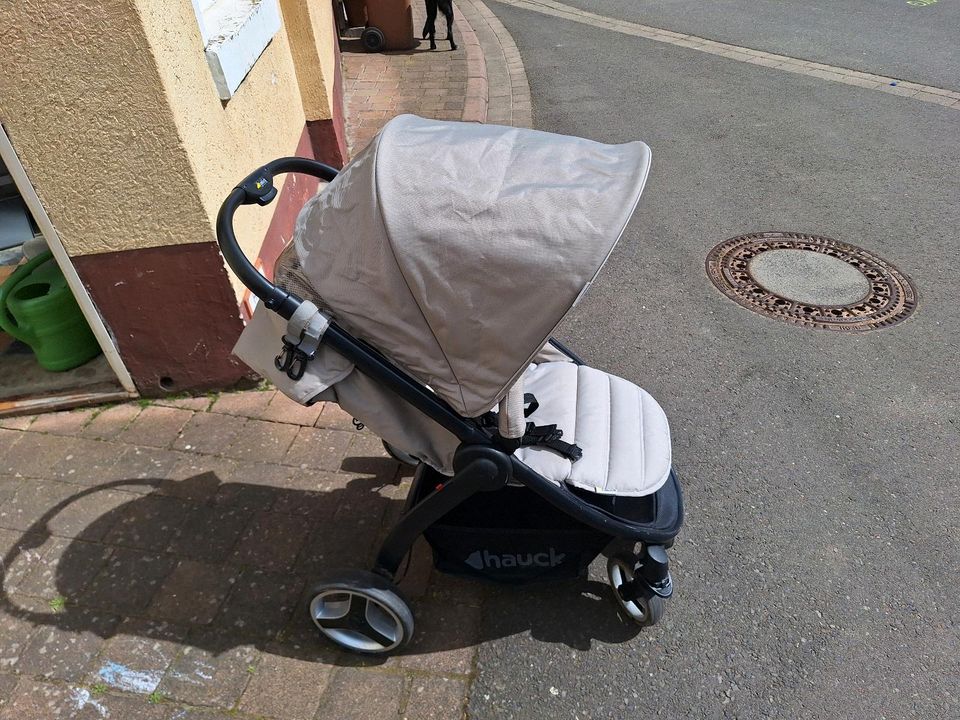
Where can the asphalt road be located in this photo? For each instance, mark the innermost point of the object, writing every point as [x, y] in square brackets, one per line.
[888, 37]
[818, 572]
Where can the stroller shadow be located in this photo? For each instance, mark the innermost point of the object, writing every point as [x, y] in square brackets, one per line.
[218, 565]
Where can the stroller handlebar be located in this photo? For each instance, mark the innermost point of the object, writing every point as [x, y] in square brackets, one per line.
[258, 188]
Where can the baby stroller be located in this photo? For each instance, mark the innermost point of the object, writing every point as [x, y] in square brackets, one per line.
[420, 292]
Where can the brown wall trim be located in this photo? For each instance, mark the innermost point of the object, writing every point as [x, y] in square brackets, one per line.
[329, 137]
[172, 313]
[326, 143]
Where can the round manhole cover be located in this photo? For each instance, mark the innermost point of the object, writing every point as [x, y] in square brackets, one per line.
[812, 281]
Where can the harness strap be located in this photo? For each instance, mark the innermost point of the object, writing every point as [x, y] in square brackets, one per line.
[549, 436]
[536, 435]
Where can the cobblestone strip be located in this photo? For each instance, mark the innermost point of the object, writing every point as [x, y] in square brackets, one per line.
[509, 93]
[477, 94]
[833, 73]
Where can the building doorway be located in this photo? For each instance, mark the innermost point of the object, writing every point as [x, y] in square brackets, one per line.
[34, 264]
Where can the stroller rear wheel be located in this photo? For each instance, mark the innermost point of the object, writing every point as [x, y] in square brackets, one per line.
[643, 607]
[361, 612]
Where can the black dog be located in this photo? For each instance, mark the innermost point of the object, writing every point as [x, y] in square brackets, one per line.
[429, 28]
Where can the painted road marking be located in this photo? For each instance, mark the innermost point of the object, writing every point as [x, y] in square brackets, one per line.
[833, 73]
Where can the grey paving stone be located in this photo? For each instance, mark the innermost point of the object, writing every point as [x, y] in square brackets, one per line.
[192, 593]
[436, 699]
[68, 422]
[7, 685]
[319, 449]
[20, 556]
[350, 538]
[35, 700]
[285, 688]
[334, 417]
[62, 649]
[251, 497]
[366, 455]
[209, 433]
[256, 473]
[261, 441]
[260, 604]
[212, 670]
[137, 657]
[190, 713]
[199, 403]
[156, 426]
[32, 455]
[62, 509]
[148, 523]
[8, 438]
[249, 404]
[209, 532]
[16, 628]
[8, 486]
[252, 486]
[444, 639]
[90, 516]
[110, 422]
[334, 546]
[127, 583]
[310, 492]
[66, 568]
[86, 462]
[282, 409]
[20, 422]
[355, 694]
[144, 463]
[196, 477]
[272, 541]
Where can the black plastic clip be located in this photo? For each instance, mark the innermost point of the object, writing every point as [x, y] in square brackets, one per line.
[292, 360]
[549, 436]
[259, 188]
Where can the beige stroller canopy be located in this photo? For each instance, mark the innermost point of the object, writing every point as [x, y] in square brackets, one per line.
[456, 248]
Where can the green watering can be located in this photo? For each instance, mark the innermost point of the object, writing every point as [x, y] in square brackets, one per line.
[37, 307]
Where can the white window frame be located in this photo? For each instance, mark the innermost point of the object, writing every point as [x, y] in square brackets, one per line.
[235, 33]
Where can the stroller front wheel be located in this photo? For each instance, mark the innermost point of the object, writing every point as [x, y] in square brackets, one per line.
[642, 607]
[361, 612]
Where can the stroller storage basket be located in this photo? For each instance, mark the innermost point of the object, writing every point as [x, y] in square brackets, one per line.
[510, 535]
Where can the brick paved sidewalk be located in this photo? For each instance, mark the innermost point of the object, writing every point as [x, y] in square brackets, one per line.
[156, 561]
[482, 81]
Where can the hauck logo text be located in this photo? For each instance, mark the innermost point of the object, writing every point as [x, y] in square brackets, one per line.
[480, 559]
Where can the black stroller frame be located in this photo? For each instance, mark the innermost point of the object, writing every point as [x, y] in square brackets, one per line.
[482, 463]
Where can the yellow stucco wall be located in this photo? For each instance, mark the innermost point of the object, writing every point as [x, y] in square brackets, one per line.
[113, 111]
[83, 104]
[325, 35]
[312, 41]
[224, 141]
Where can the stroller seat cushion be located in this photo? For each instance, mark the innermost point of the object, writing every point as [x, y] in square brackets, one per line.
[621, 429]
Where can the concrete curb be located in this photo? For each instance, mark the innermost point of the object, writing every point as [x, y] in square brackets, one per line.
[477, 92]
[497, 87]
